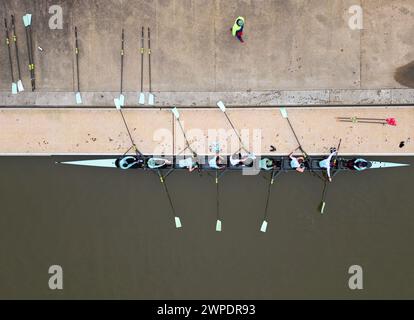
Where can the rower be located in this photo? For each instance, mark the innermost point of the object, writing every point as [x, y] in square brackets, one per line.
[326, 163]
[238, 160]
[190, 163]
[267, 164]
[217, 162]
[158, 163]
[358, 164]
[130, 162]
[297, 163]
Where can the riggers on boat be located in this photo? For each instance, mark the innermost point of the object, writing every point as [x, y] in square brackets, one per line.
[265, 163]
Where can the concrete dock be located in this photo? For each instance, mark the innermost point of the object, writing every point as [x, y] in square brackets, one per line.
[102, 131]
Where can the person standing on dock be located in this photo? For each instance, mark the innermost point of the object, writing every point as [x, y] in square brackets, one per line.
[237, 29]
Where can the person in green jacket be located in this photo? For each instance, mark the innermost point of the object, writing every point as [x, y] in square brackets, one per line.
[237, 29]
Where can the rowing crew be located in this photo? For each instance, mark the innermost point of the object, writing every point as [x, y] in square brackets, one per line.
[218, 162]
[298, 163]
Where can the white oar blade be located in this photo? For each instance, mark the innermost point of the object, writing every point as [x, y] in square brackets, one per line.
[117, 103]
[221, 105]
[78, 98]
[263, 228]
[323, 207]
[20, 86]
[25, 21]
[284, 113]
[177, 222]
[29, 19]
[175, 113]
[14, 88]
[122, 100]
[141, 99]
[151, 99]
[218, 226]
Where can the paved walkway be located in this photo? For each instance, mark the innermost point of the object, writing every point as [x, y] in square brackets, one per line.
[101, 131]
[290, 45]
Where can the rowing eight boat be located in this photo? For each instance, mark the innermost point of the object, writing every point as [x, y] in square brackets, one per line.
[280, 163]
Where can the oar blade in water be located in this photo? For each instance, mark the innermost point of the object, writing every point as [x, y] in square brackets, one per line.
[218, 226]
[177, 222]
[322, 207]
[263, 228]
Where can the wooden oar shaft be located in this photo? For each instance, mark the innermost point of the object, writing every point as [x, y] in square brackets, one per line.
[142, 59]
[122, 61]
[185, 137]
[77, 59]
[167, 192]
[357, 118]
[149, 60]
[357, 121]
[9, 49]
[15, 46]
[235, 131]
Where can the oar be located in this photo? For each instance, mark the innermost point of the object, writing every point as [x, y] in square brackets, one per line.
[27, 21]
[325, 187]
[20, 87]
[14, 85]
[285, 115]
[364, 121]
[77, 95]
[141, 99]
[323, 202]
[263, 227]
[177, 116]
[222, 107]
[273, 175]
[121, 96]
[150, 95]
[218, 222]
[176, 218]
[119, 102]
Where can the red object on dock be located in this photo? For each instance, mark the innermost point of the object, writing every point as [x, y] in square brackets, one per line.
[391, 121]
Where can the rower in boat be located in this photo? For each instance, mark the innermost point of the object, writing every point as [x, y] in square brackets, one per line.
[358, 164]
[129, 162]
[237, 160]
[217, 162]
[327, 163]
[158, 163]
[267, 164]
[297, 163]
[190, 163]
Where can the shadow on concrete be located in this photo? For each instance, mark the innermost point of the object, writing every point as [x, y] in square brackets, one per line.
[405, 75]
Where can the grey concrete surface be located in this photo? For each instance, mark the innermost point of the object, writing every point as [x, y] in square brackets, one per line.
[250, 99]
[290, 45]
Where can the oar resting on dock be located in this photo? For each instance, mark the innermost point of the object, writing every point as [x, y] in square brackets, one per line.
[389, 121]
